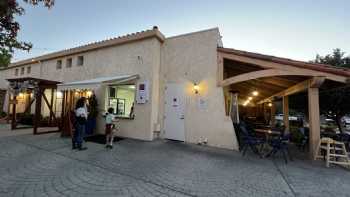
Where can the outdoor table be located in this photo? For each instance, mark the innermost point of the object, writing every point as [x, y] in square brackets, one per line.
[268, 133]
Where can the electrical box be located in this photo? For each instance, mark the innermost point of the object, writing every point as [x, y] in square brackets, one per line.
[142, 95]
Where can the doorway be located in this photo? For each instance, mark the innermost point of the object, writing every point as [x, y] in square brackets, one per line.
[174, 119]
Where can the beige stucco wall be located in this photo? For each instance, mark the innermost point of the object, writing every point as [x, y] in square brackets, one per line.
[142, 58]
[189, 59]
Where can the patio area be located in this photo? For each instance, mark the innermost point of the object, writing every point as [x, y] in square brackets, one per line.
[45, 165]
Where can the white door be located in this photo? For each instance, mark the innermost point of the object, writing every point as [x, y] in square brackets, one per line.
[174, 112]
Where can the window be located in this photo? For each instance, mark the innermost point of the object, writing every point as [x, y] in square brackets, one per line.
[29, 69]
[121, 99]
[69, 63]
[22, 71]
[80, 60]
[16, 72]
[59, 64]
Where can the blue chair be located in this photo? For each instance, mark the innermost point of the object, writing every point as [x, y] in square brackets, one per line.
[249, 140]
[280, 144]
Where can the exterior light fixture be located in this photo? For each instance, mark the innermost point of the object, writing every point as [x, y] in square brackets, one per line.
[255, 93]
[196, 88]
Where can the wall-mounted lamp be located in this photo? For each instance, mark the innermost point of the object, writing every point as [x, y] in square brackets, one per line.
[196, 88]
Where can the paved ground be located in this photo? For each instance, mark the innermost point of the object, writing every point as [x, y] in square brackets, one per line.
[45, 165]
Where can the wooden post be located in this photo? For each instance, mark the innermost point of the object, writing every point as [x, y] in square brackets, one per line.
[314, 119]
[37, 110]
[272, 116]
[286, 113]
[51, 103]
[8, 106]
[14, 121]
[63, 103]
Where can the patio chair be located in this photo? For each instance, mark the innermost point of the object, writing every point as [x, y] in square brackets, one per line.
[249, 140]
[280, 144]
[304, 141]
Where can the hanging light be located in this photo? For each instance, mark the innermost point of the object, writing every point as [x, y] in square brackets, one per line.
[246, 103]
[250, 98]
[270, 104]
[255, 93]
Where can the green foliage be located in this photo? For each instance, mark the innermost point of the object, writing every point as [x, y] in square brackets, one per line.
[337, 58]
[9, 27]
[334, 102]
[5, 58]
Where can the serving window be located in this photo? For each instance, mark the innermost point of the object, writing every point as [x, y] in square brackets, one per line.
[121, 98]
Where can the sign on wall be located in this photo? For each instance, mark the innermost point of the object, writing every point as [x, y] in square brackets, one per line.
[142, 94]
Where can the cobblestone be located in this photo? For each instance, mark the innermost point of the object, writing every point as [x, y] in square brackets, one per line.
[44, 165]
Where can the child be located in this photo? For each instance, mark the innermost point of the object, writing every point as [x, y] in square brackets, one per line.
[110, 128]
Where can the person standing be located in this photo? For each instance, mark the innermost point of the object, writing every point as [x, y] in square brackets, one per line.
[81, 115]
[110, 128]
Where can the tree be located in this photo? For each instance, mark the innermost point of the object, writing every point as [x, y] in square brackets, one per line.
[5, 58]
[334, 102]
[337, 58]
[9, 27]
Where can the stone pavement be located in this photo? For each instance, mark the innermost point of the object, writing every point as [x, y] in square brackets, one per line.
[44, 165]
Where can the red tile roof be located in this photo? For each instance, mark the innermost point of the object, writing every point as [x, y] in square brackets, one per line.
[300, 64]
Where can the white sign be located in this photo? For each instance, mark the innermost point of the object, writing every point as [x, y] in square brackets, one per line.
[202, 103]
[142, 92]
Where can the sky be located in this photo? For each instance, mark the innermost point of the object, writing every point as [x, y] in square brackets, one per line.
[297, 29]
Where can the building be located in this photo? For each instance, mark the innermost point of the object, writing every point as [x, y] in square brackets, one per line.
[177, 87]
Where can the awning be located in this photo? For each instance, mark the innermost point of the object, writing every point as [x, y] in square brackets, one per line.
[95, 83]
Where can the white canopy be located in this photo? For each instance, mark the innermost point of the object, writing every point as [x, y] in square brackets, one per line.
[95, 83]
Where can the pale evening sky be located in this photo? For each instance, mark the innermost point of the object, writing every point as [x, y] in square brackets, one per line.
[296, 29]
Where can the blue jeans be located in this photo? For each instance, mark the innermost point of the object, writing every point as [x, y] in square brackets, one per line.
[78, 134]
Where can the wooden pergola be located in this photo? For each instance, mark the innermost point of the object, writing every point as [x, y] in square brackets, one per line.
[36, 87]
[275, 77]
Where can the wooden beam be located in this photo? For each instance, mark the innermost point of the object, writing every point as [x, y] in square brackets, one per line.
[50, 107]
[37, 110]
[316, 82]
[14, 120]
[273, 65]
[261, 74]
[291, 90]
[314, 119]
[28, 107]
[285, 101]
[273, 114]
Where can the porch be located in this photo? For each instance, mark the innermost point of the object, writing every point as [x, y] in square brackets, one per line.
[254, 83]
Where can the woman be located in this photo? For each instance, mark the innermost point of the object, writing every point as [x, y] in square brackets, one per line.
[80, 121]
